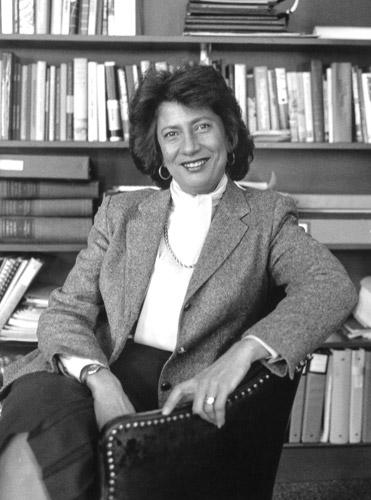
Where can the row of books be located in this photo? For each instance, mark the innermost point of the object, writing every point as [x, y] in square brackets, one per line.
[16, 275]
[214, 17]
[333, 400]
[46, 198]
[322, 104]
[78, 100]
[69, 17]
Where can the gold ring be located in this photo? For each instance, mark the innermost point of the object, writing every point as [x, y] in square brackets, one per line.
[210, 400]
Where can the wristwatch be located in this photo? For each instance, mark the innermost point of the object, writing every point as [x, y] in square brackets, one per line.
[89, 370]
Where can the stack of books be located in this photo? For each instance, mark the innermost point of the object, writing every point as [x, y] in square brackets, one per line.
[234, 17]
[45, 199]
[70, 17]
[16, 275]
[21, 325]
[333, 401]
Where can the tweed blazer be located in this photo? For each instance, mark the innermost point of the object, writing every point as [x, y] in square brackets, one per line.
[253, 246]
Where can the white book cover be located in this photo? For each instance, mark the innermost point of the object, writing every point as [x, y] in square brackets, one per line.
[330, 115]
[101, 96]
[124, 102]
[340, 401]
[327, 404]
[308, 108]
[92, 18]
[7, 16]
[262, 97]
[40, 100]
[65, 21]
[240, 88]
[123, 21]
[366, 90]
[92, 102]
[80, 99]
[42, 13]
[26, 17]
[63, 102]
[56, 17]
[273, 100]
[23, 120]
[282, 97]
[52, 90]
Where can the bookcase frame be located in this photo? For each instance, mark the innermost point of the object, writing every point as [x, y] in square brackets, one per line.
[300, 167]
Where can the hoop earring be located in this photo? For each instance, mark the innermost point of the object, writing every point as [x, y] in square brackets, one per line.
[161, 175]
[233, 159]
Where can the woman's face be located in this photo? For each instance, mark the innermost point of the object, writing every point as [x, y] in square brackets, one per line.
[194, 146]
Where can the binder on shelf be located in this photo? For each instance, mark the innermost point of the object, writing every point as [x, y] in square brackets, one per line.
[327, 403]
[339, 231]
[340, 400]
[314, 398]
[296, 418]
[44, 167]
[366, 410]
[356, 395]
[37, 189]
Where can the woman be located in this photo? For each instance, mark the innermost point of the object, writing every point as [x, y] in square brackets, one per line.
[169, 301]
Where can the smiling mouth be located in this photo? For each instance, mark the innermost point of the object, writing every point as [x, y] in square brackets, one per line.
[194, 165]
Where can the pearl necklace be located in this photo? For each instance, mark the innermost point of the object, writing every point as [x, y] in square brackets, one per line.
[168, 246]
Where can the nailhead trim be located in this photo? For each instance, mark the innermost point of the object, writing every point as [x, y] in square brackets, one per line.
[112, 474]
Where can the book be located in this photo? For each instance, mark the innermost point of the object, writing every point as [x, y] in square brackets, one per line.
[69, 102]
[26, 16]
[42, 17]
[67, 207]
[340, 400]
[282, 98]
[366, 408]
[8, 269]
[366, 101]
[7, 16]
[273, 100]
[330, 203]
[101, 97]
[308, 106]
[40, 101]
[18, 229]
[296, 418]
[262, 97]
[325, 436]
[84, 17]
[251, 102]
[124, 102]
[343, 32]
[56, 17]
[22, 280]
[341, 109]
[123, 20]
[48, 189]
[92, 17]
[356, 395]
[314, 398]
[357, 105]
[44, 166]
[62, 102]
[92, 102]
[80, 100]
[240, 88]
[316, 74]
[7, 91]
[113, 105]
[74, 17]
[292, 92]
[339, 231]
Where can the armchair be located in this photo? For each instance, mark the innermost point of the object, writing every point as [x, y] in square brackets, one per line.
[178, 457]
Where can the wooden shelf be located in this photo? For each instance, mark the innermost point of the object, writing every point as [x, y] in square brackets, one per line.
[179, 41]
[320, 462]
[41, 247]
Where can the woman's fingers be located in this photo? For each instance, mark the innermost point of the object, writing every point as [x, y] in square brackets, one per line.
[181, 393]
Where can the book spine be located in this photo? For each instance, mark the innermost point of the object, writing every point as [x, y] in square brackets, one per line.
[292, 89]
[57, 121]
[24, 104]
[358, 133]
[52, 99]
[63, 102]
[45, 229]
[101, 96]
[74, 17]
[308, 108]
[92, 18]
[92, 102]
[105, 18]
[56, 17]
[282, 98]
[124, 102]
[329, 102]
[26, 17]
[84, 17]
[45, 166]
[366, 407]
[262, 97]
[240, 88]
[69, 102]
[99, 23]
[47, 207]
[316, 72]
[356, 395]
[341, 81]
[6, 94]
[80, 101]
[7, 17]
[15, 132]
[42, 17]
[302, 131]
[40, 100]
[47, 104]
[113, 106]
[124, 21]
[273, 100]
[339, 420]
[48, 189]
[251, 103]
[366, 93]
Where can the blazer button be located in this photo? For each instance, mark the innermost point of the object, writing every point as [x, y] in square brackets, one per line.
[187, 306]
[165, 386]
[181, 350]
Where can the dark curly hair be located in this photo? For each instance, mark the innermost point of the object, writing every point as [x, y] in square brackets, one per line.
[193, 86]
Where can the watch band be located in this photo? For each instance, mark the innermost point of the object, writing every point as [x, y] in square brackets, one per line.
[89, 370]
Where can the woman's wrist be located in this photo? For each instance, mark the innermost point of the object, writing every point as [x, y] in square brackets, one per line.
[255, 351]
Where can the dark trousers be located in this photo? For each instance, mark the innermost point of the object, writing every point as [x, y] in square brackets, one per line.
[58, 414]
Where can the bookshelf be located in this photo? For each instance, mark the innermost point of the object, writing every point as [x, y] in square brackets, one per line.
[299, 167]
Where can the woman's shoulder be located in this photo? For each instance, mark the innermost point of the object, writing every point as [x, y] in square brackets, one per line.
[266, 197]
[122, 201]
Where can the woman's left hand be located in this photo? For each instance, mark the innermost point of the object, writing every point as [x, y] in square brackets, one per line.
[210, 388]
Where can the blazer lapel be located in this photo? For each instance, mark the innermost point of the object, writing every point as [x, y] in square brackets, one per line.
[144, 233]
[226, 231]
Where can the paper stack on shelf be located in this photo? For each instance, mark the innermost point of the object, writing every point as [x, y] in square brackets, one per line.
[362, 311]
[235, 17]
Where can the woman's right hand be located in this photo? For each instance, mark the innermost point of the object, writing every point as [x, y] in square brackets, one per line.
[110, 400]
